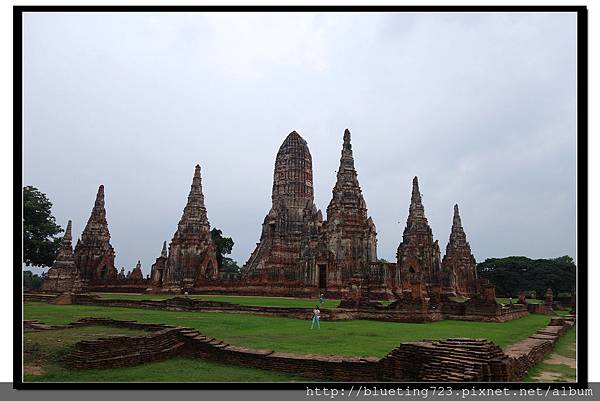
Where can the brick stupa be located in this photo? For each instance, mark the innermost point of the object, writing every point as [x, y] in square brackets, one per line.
[293, 221]
[418, 256]
[136, 273]
[94, 255]
[192, 254]
[459, 269]
[63, 276]
[349, 234]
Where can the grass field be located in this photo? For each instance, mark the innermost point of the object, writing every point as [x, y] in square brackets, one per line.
[357, 337]
[43, 351]
[528, 300]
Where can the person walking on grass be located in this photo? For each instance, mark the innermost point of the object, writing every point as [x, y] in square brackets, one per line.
[321, 299]
[315, 317]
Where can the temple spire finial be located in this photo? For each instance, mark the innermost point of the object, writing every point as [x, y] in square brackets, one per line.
[100, 197]
[456, 218]
[67, 236]
[163, 253]
[415, 199]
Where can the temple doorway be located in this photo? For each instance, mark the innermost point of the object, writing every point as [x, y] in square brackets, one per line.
[322, 276]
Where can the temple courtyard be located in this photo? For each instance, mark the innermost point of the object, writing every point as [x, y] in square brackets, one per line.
[45, 350]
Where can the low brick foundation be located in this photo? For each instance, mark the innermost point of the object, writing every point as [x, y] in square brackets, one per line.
[393, 313]
[120, 351]
[457, 359]
[542, 309]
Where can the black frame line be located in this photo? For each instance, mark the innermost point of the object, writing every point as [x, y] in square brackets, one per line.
[582, 198]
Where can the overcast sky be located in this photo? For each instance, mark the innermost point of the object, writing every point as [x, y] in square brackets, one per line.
[481, 107]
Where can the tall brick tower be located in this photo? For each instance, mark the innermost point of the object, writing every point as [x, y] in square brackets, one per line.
[349, 233]
[94, 255]
[418, 256]
[293, 221]
[192, 254]
[459, 269]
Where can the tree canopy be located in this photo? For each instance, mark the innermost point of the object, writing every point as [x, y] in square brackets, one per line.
[518, 273]
[40, 241]
[32, 281]
[227, 266]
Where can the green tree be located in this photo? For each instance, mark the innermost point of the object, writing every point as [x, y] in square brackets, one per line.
[518, 273]
[224, 247]
[40, 243]
[32, 281]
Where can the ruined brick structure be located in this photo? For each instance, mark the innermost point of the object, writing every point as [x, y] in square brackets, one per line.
[192, 253]
[459, 269]
[94, 255]
[348, 239]
[63, 276]
[136, 273]
[297, 246]
[291, 225]
[299, 253]
[418, 256]
[158, 268]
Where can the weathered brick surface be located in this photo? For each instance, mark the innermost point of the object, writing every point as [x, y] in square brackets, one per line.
[448, 360]
[290, 225]
[418, 256]
[64, 274]
[192, 254]
[121, 351]
[459, 270]
[94, 255]
[542, 309]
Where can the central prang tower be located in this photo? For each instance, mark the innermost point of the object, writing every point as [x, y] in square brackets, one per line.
[293, 221]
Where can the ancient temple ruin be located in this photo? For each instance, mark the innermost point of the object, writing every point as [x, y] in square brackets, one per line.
[292, 223]
[459, 269]
[64, 276]
[94, 255]
[298, 254]
[347, 244]
[136, 273]
[192, 258]
[297, 249]
[158, 268]
[418, 256]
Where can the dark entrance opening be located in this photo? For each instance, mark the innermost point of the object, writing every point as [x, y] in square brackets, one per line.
[322, 276]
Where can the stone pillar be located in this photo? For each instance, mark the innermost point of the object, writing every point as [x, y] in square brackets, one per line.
[549, 297]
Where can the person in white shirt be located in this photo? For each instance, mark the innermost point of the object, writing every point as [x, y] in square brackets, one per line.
[315, 318]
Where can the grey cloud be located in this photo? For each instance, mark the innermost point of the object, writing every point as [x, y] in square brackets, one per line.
[480, 106]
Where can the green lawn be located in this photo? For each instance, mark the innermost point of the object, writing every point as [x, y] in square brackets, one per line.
[44, 350]
[357, 337]
[528, 300]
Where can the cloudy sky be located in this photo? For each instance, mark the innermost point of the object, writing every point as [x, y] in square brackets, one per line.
[481, 107]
